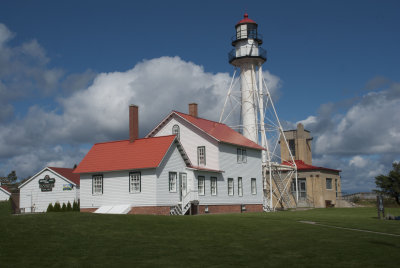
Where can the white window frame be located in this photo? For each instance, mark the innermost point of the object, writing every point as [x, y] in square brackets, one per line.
[172, 179]
[201, 155]
[213, 186]
[135, 182]
[201, 185]
[253, 186]
[240, 186]
[231, 187]
[241, 155]
[176, 131]
[97, 184]
[183, 180]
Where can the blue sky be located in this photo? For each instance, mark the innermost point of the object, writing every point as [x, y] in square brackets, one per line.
[330, 60]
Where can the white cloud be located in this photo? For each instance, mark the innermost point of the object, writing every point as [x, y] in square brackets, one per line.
[100, 111]
[358, 161]
[364, 140]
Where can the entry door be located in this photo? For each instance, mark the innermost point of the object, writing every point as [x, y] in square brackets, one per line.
[182, 185]
[302, 188]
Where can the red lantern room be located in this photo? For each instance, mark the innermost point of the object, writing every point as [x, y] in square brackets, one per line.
[246, 28]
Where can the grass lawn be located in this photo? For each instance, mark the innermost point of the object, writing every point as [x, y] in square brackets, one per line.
[254, 239]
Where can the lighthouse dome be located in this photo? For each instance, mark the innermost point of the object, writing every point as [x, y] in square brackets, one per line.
[246, 20]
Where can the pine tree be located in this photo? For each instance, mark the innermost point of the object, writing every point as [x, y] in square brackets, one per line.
[50, 208]
[69, 207]
[57, 207]
[390, 184]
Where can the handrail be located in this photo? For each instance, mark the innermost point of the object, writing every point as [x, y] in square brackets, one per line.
[248, 35]
[250, 52]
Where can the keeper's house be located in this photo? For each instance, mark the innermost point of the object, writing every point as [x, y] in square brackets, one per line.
[4, 193]
[50, 185]
[186, 165]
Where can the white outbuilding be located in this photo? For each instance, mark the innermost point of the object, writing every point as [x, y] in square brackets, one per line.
[4, 193]
[50, 185]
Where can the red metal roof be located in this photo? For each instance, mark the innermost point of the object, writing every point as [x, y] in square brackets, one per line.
[220, 132]
[207, 169]
[301, 166]
[5, 188]
[67, 173]
[246, 20]
[125, 155]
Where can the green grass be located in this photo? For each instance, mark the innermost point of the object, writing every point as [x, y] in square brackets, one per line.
[251, 240]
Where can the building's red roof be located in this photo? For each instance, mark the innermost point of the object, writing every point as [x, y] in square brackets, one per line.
[207, 169]
[301, 166]
[5, 188]
[67, 173]
[246, 20]
[124, 155]
[220, 132]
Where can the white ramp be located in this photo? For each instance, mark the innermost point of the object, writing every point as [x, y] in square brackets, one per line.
[116, 209]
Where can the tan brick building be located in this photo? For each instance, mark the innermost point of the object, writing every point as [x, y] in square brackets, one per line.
[318, 186]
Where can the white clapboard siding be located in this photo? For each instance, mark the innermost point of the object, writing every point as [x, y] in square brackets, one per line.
[172, 162]
[32, 196]
[190, 138]
[4, 195]
[154, 185]
[228, 163]
[116, 189]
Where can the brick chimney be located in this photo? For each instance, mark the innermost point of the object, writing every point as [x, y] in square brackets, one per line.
[133, 122]
[193, 109]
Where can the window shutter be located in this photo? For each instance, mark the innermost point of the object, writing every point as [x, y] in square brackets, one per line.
[102, 183]
[129, 182]
[92, 184]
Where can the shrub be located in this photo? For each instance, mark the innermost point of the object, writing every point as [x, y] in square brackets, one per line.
[355, 199]
[75, 206]
[50, 208]
[69, 207]
[57, 207]
[64, 207]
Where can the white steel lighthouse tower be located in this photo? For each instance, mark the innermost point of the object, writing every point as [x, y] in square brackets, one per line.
[259, 121]
[248, 56]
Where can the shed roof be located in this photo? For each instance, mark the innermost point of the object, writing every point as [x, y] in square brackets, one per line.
[301, 166]
[124, 155]
[5, 189]
[67, 173]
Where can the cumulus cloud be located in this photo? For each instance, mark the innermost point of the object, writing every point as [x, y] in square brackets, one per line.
[368, 127]
[99, 112]
[364, 140]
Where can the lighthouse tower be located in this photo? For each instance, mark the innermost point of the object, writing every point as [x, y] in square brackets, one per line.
[259, 120]
[248, 56]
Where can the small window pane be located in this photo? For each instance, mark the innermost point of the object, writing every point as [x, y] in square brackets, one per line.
[230, 186]
[172, 181]
[201, 155]
[175, 131]
[97, 184]
[253, 186]
[201, 185]
[240, 187]
[134, 180]
[328, 184]
[213, 186]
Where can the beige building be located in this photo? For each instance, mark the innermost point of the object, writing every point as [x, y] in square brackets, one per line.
[318, 186]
